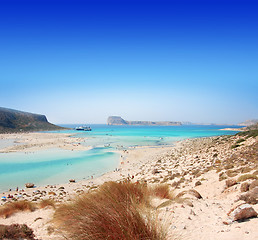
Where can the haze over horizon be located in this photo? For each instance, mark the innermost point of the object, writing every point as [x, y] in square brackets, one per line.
[82, 61]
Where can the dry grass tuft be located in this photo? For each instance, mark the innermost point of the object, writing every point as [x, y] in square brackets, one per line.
[161, 191]
[46, 203]
[246, 177]
[232, 173]
[16, 231]
[11, 208]
[246, 169]
[114, 211]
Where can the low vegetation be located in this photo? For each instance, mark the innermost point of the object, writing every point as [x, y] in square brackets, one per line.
[116, 211]
[11, 208]
[16, 231]
[240, 140]
[235, 146]
[246, 177]
[46, 203]
[252, 131]
[161, 191]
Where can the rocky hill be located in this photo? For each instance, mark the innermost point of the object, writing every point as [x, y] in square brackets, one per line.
[249, 122]
[116, 120]
[17, 121]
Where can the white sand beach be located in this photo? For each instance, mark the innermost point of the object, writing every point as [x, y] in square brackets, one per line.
[34, 141]
[200, 164]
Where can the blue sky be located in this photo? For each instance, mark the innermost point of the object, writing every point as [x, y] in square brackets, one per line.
[82, 61]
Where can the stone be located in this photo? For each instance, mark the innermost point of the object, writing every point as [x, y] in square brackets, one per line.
[253, 185]
[154, 171]
[72, 180]
[230, 183]
[241, 212]
[52, 193]
[244, 187]
[198, 183]
[251, 196]
[191, 192]
[29, 185]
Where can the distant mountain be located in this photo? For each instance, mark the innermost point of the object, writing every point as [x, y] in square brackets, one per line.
[248, 122]
[17, 121]
[116, 120]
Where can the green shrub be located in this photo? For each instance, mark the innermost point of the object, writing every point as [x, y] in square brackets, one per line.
[235, 146]
[246, 177]
[240, 140]
[248, 134]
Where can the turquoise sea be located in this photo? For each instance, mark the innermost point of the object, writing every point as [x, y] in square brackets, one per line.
[56, 166]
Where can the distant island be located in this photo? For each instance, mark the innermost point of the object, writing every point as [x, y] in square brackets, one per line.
[249, 122]
[116, 120]
[17, 121]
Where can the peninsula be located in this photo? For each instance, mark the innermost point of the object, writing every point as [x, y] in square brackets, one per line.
[17, 121]
[116, 120]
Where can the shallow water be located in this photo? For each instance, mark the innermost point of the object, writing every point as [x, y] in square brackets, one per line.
[56, 166]
[53, 166]
[129, 136]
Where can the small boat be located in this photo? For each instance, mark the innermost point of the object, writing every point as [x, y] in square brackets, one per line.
[83, 128]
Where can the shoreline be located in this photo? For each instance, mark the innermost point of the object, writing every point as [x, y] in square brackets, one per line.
[43, 141]
[127, 158]
[234, 129]
[35, 141]
[203, 164]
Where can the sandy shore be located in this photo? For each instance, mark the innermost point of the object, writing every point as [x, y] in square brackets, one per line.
[233, 129]
[203, 164]
[31, 142]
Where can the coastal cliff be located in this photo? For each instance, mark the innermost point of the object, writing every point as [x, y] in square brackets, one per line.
[17, 121]
[116, 120]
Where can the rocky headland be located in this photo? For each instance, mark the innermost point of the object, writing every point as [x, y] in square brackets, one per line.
[17, 121]
[116, 120]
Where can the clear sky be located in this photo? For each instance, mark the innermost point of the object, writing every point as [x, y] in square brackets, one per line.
[82, 61]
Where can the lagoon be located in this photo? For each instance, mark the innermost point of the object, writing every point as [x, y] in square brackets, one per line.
[56, 166]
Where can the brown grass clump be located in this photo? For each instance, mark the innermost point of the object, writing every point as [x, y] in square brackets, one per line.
[246, 177]
[218, 169]
[161, 191]
[232, 173]
[246, 169]
[229, 166]
[16, 231]
[222, 176]
[45, 203]
[11, 208]
[111, 212]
